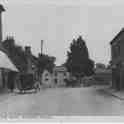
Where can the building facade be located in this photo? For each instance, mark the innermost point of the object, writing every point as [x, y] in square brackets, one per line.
[56, 78]
[47, 79]
[60, 74]
[117, 61]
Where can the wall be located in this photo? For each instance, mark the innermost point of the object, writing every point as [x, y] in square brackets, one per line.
[103, 79]
[60, 77]
[122, 48]
[47, 79]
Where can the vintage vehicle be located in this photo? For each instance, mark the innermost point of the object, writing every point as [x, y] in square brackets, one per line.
[28, 82]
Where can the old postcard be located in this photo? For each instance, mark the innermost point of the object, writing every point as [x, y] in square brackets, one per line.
[61, 59]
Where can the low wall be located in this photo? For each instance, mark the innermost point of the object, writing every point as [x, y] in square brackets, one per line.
[102, 78]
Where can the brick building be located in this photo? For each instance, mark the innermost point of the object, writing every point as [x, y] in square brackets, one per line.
[117, 61]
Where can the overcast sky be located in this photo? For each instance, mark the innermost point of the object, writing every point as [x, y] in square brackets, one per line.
[57, 22]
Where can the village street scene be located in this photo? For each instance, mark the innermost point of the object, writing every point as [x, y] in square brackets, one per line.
[38, 85]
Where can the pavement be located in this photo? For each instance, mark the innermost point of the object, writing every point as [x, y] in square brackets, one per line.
[115, 93]
[109, 90]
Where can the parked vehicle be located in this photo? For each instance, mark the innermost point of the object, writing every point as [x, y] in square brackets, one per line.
[28, 82]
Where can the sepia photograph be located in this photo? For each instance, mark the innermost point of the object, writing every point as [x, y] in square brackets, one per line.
[61, 59]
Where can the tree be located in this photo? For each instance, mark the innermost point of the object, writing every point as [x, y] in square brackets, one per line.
[78, 62]
[45, 62]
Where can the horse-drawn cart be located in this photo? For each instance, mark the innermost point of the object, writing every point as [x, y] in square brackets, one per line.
[28, 82]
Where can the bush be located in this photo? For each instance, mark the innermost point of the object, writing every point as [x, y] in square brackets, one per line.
[87, 81]
[70, 82]
[99, 78]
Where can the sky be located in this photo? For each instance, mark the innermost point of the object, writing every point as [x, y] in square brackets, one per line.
[57, 22]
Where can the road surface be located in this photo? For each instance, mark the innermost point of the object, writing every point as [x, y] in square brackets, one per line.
[63, 102]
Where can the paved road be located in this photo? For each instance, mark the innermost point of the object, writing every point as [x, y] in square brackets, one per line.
[62, 101]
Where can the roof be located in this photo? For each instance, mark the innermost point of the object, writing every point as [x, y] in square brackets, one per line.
[6, 63]
[118, 35]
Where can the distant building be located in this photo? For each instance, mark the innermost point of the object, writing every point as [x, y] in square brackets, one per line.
[60, 73]
[117, 61]
[56, 78]
[47, 79]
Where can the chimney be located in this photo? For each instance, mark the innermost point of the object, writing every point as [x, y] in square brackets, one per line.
[41, 46]
[1, 10]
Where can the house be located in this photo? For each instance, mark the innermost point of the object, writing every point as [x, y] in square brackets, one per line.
[56, 78]
[6, 65]
[117, 60]
[47, 79]
[60, 73]
[5, 62]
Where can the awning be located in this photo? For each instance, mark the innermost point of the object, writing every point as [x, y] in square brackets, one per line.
[6, 63]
